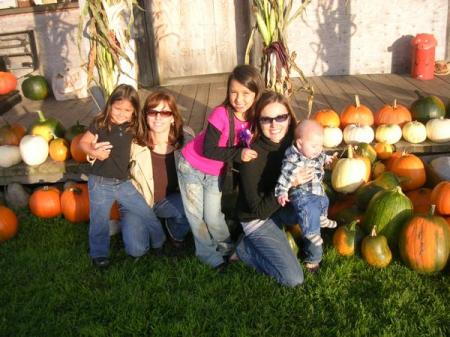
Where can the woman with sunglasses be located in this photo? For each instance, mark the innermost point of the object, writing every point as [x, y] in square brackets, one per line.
[264, 245]
[153, 166]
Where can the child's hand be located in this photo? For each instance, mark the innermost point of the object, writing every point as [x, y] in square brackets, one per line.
[303, 176]
[248, 154]
[283, 199]
[100, 150]
[329, 162]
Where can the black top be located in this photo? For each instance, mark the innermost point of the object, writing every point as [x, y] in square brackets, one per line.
[212, 150]
[116, 165]
[258, 178]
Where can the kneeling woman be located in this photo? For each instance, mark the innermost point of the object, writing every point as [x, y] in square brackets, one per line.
[264, 245]
[153, 167]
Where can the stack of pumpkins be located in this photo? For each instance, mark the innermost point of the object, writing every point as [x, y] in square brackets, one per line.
[425, 118]
[394, 209]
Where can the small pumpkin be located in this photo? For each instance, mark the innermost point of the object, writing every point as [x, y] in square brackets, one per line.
[332, 136]
[48, 128]
[412, 169]
[8, 224]
[424, 243]
[440, 196]
[375, 250]
[356, 114]
[33, 149]
[59, 149]
[8, 82]
[425, 108]
[291, 242]
[354, 134]
[347, 238]
[9, 155]
[8, 135]
[366, 150]
[75, 150]
[414, 132]
[388, 133]
[438, 130]
[74, 130]
[35, 88]
[348, 173]
[327, 118]
[45, 202]
[384, 150]
[75, 203]
[392, 114]
[421, 199]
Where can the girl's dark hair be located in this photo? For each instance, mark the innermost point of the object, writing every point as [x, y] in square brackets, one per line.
[120, 93]
[249, 77]
[267, 98]
[176, 136]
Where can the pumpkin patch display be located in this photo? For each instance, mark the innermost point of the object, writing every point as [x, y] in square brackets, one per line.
[388, 210]
[425, 108]
[354, 134]
[327, 118]
[75, 203]
[75, 150]
[392, 114]
[9, 155]
[424, 243]
[348, 173]
[375, 250]
[33, 150]
[438, 130]
[347, 238]
[8, 82]
[421, 199]
[414, 132]
[357, 114]
[35, 88]
[74, 130]
[412, 169]
[388, 133]
[59, 149]
[8, 224]
[440, 196]
[45, 202]
[48, 128]
[332, 136]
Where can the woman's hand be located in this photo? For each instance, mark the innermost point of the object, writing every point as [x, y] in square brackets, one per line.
[248, 154]
[303, 176]
[99, 150]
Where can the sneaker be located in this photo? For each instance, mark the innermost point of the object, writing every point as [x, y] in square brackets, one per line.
[327, 223]
[315, 239]
[100, 262]
[312, 267]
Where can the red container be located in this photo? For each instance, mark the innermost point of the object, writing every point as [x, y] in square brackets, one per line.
[424, 46]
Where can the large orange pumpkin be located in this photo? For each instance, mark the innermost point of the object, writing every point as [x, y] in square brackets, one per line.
[115, 213]
[327, 118]
[421, 199]
[59, 149]
[424, 243]
[75, 150]
[45, 202]
[392, 114]
[8, 224]
[356, 114]
[390, 161]
[8, 82]
[75, 203]
[412, 169]
[440, 196]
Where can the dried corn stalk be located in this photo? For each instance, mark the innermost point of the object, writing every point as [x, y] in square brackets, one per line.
[272, 20]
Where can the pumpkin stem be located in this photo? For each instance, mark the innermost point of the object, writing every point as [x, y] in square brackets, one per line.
[350, 151]
[357, 101]
[352, 225]
[395, 103]
[432, 209]
[374, 231]
[41, 116]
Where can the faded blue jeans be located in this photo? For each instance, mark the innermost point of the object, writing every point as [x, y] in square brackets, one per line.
[202, 203]
[137, 236]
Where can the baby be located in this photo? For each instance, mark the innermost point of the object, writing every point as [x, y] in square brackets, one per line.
[309, 199]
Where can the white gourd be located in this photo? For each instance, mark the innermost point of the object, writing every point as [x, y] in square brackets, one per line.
[9, 155]
[388, 133]
[33, 149]
[332, 136]
[354, 134]
[414, 132]
[438, 130]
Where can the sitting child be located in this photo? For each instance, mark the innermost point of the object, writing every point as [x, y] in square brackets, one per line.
[309, 199]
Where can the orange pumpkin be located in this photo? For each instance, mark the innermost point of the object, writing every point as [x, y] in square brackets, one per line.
[440, 196]
[392, 114]
[356, 114]
[7, 136]
[75, 203]
[327, 118]
[59, 149]
[421, 199]
[8, 224]
[412, 169]
[115, 213]
[8, 82]
[75, 150]
[390, 161]
[45, 202]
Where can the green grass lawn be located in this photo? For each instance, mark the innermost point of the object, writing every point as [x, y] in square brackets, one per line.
[48, 287]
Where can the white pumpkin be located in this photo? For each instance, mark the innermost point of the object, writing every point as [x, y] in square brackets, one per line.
[332, 137]
[348, 173]
[354, 134]
[388, 133]
[9, 155]
[33, 149]
[441, 166]
[438, 130]
[414, 132]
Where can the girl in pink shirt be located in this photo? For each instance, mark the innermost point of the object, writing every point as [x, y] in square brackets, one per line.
[203, 161]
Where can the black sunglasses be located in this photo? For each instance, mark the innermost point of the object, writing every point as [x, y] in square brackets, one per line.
[278, 119]
[163, 113]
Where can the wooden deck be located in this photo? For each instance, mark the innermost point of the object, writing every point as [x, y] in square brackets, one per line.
[196, 101]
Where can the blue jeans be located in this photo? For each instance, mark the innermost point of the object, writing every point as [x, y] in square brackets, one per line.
[267, 250]
[137, 235]
[202, 203]
[309, 207]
